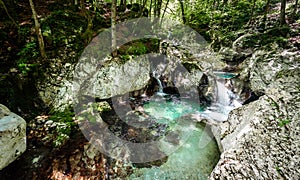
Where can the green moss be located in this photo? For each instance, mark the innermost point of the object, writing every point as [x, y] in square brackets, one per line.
[139, 47]
[284, 73]
[283, 122]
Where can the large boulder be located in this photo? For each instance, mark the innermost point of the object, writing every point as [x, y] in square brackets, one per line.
[117, 78]
[261, 140]
[113, 78]
[12, 136]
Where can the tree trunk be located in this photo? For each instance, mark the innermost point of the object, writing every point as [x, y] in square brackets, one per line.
[142, 9]
[266, 14]
[122, 5]
[282, 12]
[113, 28]
[165, 9]
[154, 9]
[182, 11]
[38, 31]
[150, 9]
[294, 11]
[159, 3]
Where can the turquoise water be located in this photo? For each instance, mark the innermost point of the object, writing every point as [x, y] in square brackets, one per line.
[225, 75]
[193, 156]
[167, 111]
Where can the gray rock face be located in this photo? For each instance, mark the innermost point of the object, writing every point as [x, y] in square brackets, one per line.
[112, 77]
[261, 140]
[265, 67]
[12, 136]
[110, 80]
[117, 79]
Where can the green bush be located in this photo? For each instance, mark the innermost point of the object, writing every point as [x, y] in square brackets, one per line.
[63, 29]
[63, 128]
[27, 57]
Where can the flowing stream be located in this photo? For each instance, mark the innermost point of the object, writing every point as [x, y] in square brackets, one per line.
[195, 152]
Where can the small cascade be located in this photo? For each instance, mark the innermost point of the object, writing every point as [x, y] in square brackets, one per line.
[160, 86]
[225, 99]
[160, 90]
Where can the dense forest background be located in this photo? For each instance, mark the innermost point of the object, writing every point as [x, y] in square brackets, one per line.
[38, 38]
[33, 34]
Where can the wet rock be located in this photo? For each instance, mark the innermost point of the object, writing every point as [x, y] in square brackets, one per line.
[12, 136]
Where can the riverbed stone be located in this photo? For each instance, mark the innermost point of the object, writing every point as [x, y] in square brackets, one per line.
[12, 136]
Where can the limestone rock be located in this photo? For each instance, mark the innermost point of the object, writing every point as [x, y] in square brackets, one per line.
[266, 66]
[261, 140]
[117, 79]
[4, 111]
[12, 136]
[113, 78]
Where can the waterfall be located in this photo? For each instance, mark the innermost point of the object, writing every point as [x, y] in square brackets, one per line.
[225, 100]
[160, 86]
[223, 95]
[226, 97]
[160, 89]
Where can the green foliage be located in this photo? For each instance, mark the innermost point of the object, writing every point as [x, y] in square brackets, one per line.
[283, 122]
[103, 107]
[91, 109]
[137, 49]
[24, 32]
[284, 73]
[267, 39]
[124, 58]
[278, 170]
[27, 57]
[100, 22]
[64, 124]
[63, 29]
[220, 23]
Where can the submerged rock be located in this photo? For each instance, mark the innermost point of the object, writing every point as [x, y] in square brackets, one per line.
[12, 136]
